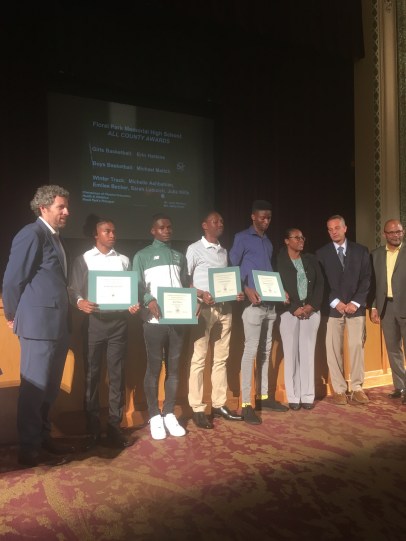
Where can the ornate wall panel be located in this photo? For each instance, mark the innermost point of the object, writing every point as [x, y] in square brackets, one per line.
[377, 125]
[401, 37]
[389, 79]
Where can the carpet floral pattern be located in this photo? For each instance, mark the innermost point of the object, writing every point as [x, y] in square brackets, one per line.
[336, 472]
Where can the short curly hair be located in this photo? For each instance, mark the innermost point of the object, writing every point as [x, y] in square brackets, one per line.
[45, 196]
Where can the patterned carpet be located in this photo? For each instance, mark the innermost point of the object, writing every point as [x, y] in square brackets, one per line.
[331, 473]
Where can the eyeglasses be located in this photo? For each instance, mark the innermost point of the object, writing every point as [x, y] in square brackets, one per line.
[298, 238]
[399, 232]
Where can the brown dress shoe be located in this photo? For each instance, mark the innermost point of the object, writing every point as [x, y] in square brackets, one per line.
[340, 399]
[360, 397]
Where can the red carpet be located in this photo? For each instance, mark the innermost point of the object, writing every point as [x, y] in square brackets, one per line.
[332, 473]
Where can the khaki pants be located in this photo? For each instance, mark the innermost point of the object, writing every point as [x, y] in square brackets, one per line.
[214, 325]
[334, 350]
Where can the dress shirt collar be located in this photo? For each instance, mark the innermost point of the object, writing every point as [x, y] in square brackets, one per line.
[95, 252]
[344, 245]
[208, 244]
[49, 226]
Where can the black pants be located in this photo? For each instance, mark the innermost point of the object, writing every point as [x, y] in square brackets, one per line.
[106, 333]
[42, 363]
[163, 344]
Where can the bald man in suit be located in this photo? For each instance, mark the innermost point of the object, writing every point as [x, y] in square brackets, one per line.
[389, 301]
[347, 270]
[35, 300]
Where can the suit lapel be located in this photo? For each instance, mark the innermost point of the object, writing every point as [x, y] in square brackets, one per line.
[401, 254]
[55, 243]
[58, 249]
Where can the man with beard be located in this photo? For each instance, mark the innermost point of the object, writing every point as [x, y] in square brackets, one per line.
[389, 305]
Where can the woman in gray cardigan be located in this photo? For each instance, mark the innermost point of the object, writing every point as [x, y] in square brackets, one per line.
[303, 282]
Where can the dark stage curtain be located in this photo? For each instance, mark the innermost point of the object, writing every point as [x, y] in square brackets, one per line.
[285, 126]
[276, 75]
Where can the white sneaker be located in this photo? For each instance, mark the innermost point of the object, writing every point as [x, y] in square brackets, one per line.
[156, 425]
[172, 425]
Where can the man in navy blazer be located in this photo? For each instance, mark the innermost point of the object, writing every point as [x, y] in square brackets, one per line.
[36, 305]
[389, 303]
[347, 270]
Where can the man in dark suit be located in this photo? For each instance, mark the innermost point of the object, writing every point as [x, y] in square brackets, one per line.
[347, 269]
[36, 304]
[389, 300]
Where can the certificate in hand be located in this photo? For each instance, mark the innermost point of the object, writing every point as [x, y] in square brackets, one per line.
[178, 305]
[225, 284]
[269, 285]
[113, 290]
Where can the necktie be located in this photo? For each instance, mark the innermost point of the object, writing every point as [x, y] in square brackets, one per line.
[340, 252]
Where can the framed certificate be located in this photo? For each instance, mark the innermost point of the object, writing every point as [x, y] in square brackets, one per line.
[224, 284]
[113, 290]
[178, 305]
[269, 285]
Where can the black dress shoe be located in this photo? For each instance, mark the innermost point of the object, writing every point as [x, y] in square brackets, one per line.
[403, 397]
[397, 393]
[250, 417]
[270, 404]
[201, 420]
[294, 406]
[32, 458]
[116, 438]
[226, 414]
[91, 441]
[56, 448]
[307, 405]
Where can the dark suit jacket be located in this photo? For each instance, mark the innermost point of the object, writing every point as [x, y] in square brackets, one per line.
[350, 284]
[379, 282]
[315, 281]
[34, 286]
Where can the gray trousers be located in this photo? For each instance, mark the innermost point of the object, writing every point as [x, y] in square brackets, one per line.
[299, 343]
[394, 331]
[258, 323]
